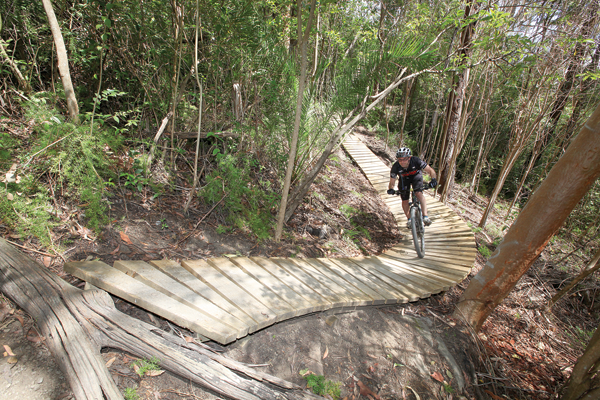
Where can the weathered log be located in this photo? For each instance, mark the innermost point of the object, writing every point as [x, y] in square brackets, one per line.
[78, 324]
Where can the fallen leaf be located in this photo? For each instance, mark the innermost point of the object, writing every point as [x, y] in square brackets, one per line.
[495, 397]
[115, 251]
[12, 360]
[326, 352]
[125, 238]
[47, 260]
[365, 391]
[33, 336]
[154, 372]
[9, 196]
[375, 357]
[21, 320]
[437, 376]
[8, 351]
[110, 362]
[189, 339]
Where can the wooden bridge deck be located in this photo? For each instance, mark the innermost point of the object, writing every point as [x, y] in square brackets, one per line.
[227, 298]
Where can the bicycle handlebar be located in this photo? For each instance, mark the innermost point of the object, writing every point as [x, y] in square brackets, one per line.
[424, 188]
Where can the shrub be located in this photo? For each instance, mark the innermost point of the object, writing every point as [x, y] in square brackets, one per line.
[247, 201]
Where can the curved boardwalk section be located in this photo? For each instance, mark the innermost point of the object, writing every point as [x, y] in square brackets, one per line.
[224, 299]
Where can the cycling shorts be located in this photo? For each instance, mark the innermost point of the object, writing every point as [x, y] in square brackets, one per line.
[405, 183]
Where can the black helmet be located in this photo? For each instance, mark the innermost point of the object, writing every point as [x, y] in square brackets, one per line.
[403, 152]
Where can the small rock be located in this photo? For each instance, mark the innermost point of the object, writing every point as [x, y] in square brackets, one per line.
[40, 380]
[331, 320]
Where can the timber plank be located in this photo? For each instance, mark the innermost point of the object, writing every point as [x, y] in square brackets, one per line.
[372, 281]
[356, 297]
[236, 295]
[424, 278]
[404, 286]
[182, 275]
[325, 291]
[431, 268]
[298, 304]
[314, 299]
[120, 284]
[163, 283]
[255, 288]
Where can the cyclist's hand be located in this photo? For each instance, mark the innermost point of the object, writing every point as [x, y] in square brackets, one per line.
[391, 191]
[433, 183]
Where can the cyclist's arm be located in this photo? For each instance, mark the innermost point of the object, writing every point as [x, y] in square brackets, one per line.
[429, 171]
[392, 183]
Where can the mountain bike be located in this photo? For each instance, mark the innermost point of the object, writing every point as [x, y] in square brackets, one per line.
[417, 226]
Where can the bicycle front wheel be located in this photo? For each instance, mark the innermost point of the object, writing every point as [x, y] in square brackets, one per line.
[418, 231]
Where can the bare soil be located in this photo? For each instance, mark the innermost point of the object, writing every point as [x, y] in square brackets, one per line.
[411, 351]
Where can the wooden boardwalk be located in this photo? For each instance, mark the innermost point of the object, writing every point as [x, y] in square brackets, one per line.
[225, 299]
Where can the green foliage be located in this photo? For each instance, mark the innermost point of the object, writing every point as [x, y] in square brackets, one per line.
[321, 386]
[8, 147]
[248, 202]
[144, 365]
[27, 213]
[74, 157]
[484, 251]
[448, 388]
[348, 211]
[131, 394]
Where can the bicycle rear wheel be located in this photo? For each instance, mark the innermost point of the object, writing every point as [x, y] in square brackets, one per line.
[418, 231]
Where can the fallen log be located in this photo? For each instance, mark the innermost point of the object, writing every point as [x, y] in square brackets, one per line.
[77, 324]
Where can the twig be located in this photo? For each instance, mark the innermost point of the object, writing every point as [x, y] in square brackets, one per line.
[202, 219]
[50, 145]
[180, 394]
[28, 249]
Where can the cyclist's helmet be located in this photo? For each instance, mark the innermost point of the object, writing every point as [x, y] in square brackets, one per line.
[403, 152]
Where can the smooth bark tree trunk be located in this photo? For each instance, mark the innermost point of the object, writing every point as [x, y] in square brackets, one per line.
[293, 146]
[545, 212]
[78, 324]
[63, 62]
[583, 383]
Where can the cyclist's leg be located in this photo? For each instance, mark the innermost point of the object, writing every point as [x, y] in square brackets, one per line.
[417, 183]
[404, 187]
[421, 198]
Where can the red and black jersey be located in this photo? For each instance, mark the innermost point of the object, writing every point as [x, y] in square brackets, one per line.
[415, 165]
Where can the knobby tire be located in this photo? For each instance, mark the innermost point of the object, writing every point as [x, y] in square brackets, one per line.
[418, 231]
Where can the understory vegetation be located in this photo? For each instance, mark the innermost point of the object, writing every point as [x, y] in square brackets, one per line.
[206, 105]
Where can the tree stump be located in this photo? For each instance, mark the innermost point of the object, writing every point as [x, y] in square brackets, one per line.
[77, 324]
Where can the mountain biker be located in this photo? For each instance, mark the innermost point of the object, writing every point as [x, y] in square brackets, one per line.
[408, 169]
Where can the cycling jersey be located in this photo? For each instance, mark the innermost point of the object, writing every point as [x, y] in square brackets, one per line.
[409, 176]
[415, 165]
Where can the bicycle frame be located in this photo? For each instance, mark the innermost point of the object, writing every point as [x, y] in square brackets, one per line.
[417, 225]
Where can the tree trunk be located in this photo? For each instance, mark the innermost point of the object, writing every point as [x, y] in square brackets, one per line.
[581, 382]
[545, 212]
[292, 156]
[23, 84]
[454, 110]
[63, 62]
[77, 324]
[588, 270]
